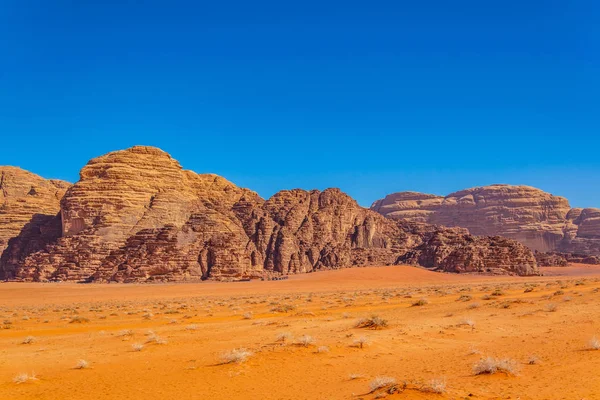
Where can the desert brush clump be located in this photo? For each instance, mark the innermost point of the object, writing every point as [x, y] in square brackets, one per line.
[323, 349]
[437, 385]
[78, 320]
[594, 343]
[421, 302]
[283, 308]
[373, 322]
[236, 356]
[306, 340]
[283, 337]
[28, 340]
[533, 360]
[381, 382]
[361, 342]
[81, 364]
[248, 315]
[137, 347]
[491, 365]
[466, 322]
[24, 377]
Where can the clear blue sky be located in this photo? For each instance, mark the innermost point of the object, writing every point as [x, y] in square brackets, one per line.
[371, 97]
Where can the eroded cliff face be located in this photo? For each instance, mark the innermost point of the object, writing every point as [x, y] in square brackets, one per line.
[539, 220]
[28, 208]
[135, 215]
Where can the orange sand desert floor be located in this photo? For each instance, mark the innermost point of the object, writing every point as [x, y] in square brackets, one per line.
[300, 339]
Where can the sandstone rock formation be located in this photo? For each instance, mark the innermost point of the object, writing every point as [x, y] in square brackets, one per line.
[135, 215]
[535, 218]
[555, 259]
[27, 202]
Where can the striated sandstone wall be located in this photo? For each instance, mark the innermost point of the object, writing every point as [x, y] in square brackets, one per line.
[135, 215]
[539, 220]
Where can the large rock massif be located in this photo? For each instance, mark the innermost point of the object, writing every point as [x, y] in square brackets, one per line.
[27, 201]
[535, 218]
[135, 215]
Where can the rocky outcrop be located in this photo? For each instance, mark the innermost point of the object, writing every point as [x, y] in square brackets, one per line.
[135, 216]
[555, 259]
[539, 220]
[28, 204]
[454, 250]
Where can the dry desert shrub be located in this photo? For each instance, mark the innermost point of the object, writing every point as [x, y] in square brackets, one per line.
[421, 302]
[137, 347]
[466, 322]
[594, 343]
[491, 365]
[191, 327]
[283, 337]
[28, 340]
[283, 308]
[306, 340]
[237, 356]
[533, 360]
[323, 349]
[78, 320]
[24, 377]
[361, 342]
[551, 307]
[354, 376]
[125, 332]
[148, 315]
[247, 315]
[81, 364]
[437, 386]
[381, 382]
[465, 297]
[373, 322]
[154, 338]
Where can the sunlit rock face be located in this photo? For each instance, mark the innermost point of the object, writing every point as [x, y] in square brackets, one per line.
[135, 216]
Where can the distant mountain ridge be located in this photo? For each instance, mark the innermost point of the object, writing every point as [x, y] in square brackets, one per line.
[136, 215]
[538, 219]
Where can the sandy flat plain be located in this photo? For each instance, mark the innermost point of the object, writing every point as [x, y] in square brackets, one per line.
[168, 341]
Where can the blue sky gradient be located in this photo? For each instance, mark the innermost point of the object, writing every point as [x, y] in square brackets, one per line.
[370, 97]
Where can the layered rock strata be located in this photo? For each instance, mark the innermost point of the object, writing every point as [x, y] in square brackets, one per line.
[136, 216]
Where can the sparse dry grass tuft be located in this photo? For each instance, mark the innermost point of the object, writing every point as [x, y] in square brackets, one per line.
[491, 365]
[361, 342]
[79, 320]
[373, 322]
[381, 382]
[306, 340]
[137, 347]
[237, 356]
[28, 340]
[283, 337]
[323, 349]
[24, 377]
[437, 386]
[421, 302]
